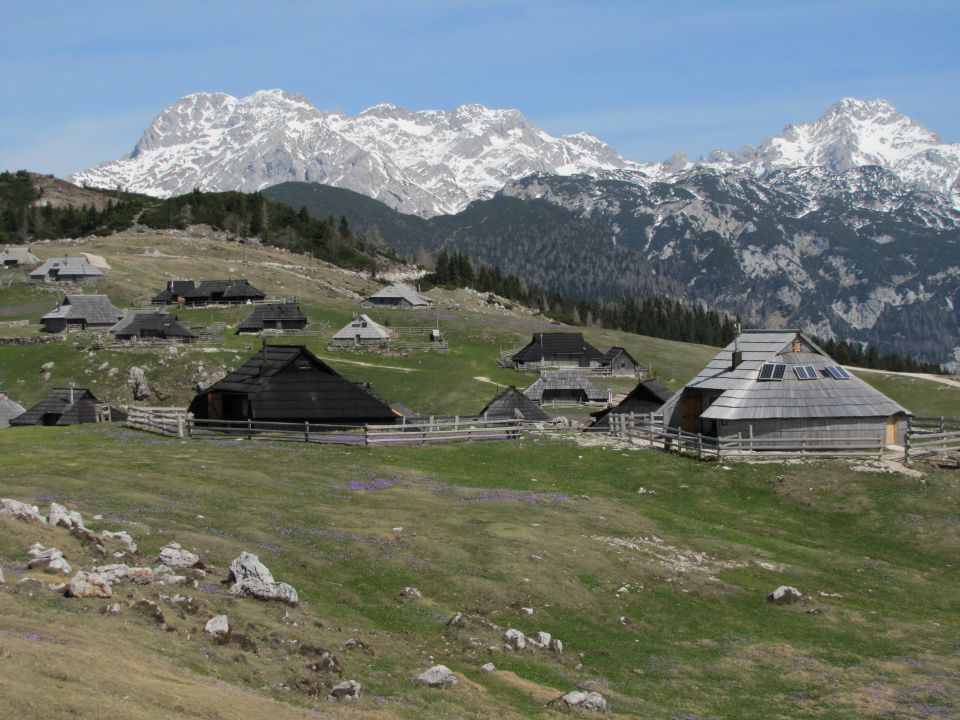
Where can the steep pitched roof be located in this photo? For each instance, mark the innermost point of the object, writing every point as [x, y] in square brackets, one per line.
[610, 355]
[278, 312]
[745, 396]
[9, 410]
[20, 255]
[647, 393]
[311, 390]
[404, 292]
[562, 380]
[58, 404]
[230, 289]
[553, 345]
[174, 289]
[363, 326]
[66, 267]
[509, 402]
[94, 309]
[136, 323]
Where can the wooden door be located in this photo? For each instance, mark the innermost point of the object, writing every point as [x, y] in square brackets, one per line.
[891, 430]
[691, 413]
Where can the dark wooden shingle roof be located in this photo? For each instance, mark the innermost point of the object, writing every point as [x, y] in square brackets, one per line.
[546, 346]
[59, 409]
[509, 402]
[174, 290]
[288, 382]
[164, 324]
[236, 290]
[279, 312]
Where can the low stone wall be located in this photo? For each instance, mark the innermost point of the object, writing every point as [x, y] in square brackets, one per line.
[32, 339]
[13, 323]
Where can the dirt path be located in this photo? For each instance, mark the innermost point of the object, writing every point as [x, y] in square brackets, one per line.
[485, 379]
[366, 364]
[942, 379]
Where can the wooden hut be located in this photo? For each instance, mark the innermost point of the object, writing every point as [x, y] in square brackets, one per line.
[69, 406]
[82, 312]
[288, 383]
[275, 316]
[152, 325]
[779, 385]
[618, 362]
[564, 386]
[361, 332]
[647, 397]
[9, 410]
[560, 350]
[223, 292]
[398, 295]
[511, 404]
[175, 292]
[18, 256]
[66, 269]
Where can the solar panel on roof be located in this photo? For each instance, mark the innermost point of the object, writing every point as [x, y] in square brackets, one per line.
[837, 372]
[772, 371]
[805, 372]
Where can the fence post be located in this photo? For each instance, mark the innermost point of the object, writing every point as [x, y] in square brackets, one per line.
[180, 426]
[906, 441]
[249, 428]
[943, 431]
[306, 431]
[699, 447]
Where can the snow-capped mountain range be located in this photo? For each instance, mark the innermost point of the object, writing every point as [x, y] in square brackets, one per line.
[433, 162]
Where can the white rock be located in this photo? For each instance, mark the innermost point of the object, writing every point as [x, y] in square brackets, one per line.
[21, 511]
[784, 595]
[2, 580]
[488, 667]
[346, 690]
[412, 593]
[541, 640]
[527, 611]
[89, 585]
[556, 646]
[39, 554]
[516, 639]
[438, 676]
[60, 565]
[175, 556]
[218, 626]
[247, 565]
[61, 517]
[119, 572]
[585, 700]
[124, 537]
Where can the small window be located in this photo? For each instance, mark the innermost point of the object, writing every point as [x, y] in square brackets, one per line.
[805, 372]
[304, 365]
[837, 372]
[797, 346]
[772, 371]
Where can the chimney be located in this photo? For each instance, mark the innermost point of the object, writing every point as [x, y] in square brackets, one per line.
[737, 353]
[71, 393]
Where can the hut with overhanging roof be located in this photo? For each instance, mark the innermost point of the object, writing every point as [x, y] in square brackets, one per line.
[274, 316]
[398, 296]
[82, 312]
[779, 385]
[152, 326]
[69, 406]
[565, 386]
[647, 397]
[511, 404]
[288, 383]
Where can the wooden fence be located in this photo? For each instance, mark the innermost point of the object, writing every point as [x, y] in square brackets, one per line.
[176, 422]
[650, 430]
[926, 436]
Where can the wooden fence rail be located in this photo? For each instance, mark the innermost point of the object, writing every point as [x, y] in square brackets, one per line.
[927, 436]
[650, 429]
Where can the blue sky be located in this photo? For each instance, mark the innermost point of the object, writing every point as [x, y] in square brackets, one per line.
[81, 81]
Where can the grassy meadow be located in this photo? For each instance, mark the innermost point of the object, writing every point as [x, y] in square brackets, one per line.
[651, 569]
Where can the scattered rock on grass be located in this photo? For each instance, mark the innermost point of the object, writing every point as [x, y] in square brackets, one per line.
[252, 578]
[173, 555]
[488, 667]
[124, 537]
[515, 639]
[219, 628]
[438, 676]
[59, 516]
[346, 690]
[21, 511]
[89, 585]
[784, 595]
[585, 700]
[411, 593]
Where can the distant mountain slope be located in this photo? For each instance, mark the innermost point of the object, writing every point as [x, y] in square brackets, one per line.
[426, 162]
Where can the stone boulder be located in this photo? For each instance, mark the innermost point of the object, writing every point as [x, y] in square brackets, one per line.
[2, 579]
[784, 595]
[438, 676]
[585, 700]
[515, 639]
[124, 537]
[137, 382]
[251, 578]
[61, 517]
[118, 572]
[89, 585]
[21, 511]
[60, 565]
[488, 667]
[346, 690]
[173, 555]
[218, 627]
[411, 593]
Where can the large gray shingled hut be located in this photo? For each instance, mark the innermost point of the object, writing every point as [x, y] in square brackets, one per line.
[779, 385]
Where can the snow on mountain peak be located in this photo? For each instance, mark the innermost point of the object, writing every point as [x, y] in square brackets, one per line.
[425, 162]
